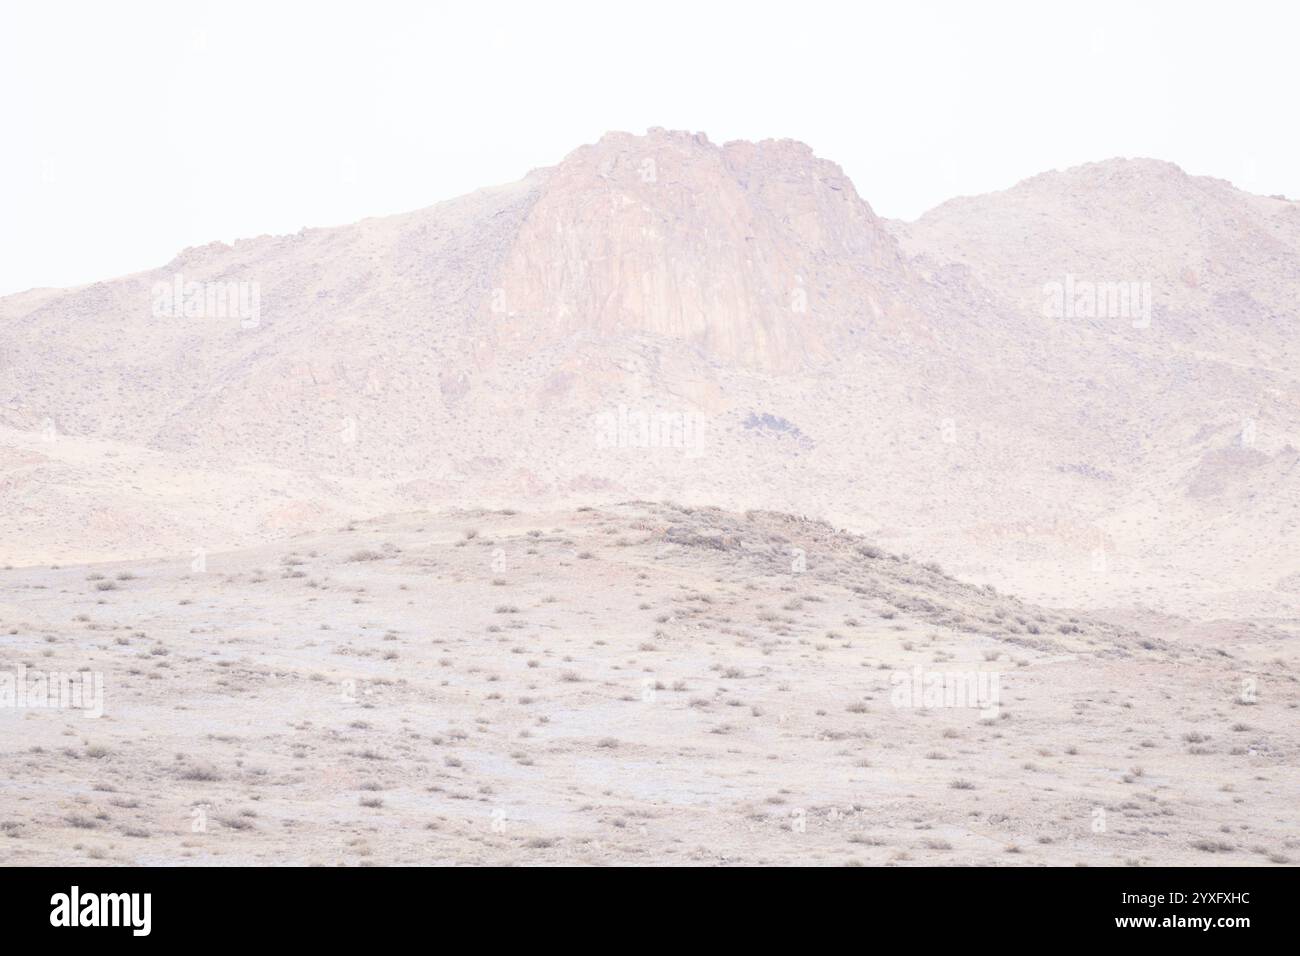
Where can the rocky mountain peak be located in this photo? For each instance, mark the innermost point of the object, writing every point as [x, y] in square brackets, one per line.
[757, 253]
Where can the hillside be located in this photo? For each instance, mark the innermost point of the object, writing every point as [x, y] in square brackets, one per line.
[452, 687]
[661, 317]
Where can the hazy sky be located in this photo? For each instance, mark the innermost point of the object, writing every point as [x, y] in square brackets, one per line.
[132, 130]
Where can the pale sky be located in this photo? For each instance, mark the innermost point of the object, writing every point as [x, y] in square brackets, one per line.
[132, 130]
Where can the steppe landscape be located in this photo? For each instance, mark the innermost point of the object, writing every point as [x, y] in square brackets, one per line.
[626, 514]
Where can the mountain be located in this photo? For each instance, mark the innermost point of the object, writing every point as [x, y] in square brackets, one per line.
[1189, 409]
[758, 254]
[1083, 388]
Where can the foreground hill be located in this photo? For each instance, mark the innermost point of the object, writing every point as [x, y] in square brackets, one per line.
[640, 682]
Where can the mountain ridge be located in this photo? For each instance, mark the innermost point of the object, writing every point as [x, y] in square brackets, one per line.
[469, 351]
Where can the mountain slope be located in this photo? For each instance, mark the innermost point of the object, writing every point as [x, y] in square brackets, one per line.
[739, 688]
[662, 317]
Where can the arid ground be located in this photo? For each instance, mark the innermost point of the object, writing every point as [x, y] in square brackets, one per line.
[641, 683]
[982, 545]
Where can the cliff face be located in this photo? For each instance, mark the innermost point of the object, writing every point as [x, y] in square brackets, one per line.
[757, 253]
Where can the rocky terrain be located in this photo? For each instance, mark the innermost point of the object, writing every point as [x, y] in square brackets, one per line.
[343, 521]
[453, 689]
[901, 379]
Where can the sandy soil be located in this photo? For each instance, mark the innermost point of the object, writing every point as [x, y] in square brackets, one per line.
[637, 684]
